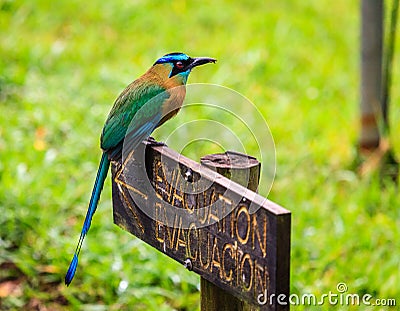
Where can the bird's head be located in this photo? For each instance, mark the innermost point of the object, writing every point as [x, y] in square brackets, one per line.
[179, 65]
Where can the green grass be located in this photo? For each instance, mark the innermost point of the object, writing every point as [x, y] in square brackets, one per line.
[63, 63]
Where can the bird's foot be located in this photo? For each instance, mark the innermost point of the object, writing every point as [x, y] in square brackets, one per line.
[152, 142]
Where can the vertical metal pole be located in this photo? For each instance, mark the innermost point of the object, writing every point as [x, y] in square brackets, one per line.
[371, 72]
[387, 70]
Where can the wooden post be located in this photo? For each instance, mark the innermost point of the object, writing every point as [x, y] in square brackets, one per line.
[374, 90]
[371, 73]
[246, 171]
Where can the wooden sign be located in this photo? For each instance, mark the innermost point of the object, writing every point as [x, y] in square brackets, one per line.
[228, 234]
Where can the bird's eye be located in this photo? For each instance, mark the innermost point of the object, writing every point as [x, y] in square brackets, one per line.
[179, 65]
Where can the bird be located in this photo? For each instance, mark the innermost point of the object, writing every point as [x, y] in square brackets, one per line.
[149, 101]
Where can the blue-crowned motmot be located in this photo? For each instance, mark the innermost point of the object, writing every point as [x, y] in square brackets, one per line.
[162, 87]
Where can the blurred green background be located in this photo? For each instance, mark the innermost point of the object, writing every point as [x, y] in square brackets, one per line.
[62, 64]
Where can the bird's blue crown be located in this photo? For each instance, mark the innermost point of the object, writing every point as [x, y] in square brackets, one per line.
[172, 57]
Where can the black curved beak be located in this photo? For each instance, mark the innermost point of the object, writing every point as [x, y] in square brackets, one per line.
[198, 61]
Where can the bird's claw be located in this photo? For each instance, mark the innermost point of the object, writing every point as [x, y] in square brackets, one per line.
[152, 142]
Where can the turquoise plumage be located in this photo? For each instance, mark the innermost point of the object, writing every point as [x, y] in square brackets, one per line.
[150, 100]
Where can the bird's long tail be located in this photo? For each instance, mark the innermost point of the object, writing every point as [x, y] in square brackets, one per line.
[97, 188]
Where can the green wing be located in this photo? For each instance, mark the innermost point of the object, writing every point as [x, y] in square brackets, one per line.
[139, 102]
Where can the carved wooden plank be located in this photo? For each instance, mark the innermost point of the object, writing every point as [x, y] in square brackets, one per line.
[226, 233]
